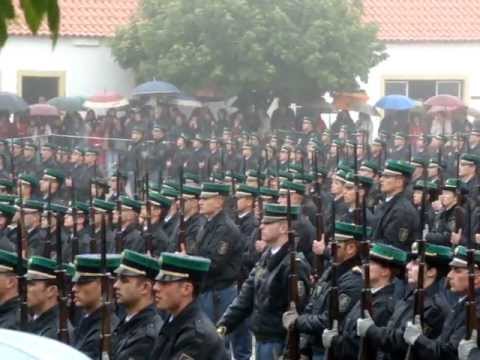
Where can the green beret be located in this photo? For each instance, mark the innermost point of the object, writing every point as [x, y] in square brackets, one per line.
[286, 186]
[90, 265]
[398, 167]
[130, 203]
[41, 268]
[212, 189]
[388, 254]
[136, 264]
[276, 212]
[177, 266]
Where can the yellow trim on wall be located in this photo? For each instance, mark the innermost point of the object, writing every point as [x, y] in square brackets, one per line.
[61, 75]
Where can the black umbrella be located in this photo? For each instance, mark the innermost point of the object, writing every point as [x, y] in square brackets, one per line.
[12, 103]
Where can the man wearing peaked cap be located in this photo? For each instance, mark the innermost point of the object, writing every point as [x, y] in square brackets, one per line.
[29, 163]
[127, 233]
[158, 206]
[42, 297]
[6, 186]
[117, 179]
[356, 184]
[9, 298]
[397, 218]
[36, 236]
[220, 241]
[76, 218]
[314, 321]
[188, 333]
[100, 208]
[47, 155]
[399, 150]
[264, 295]
[469, 164]
[51, 215]
[172, 219]
[136, 332]
[389, 337]
[386, 262]
[445, 345]
[51, 185]
[27, 184]
[7, 213]
[87, 291]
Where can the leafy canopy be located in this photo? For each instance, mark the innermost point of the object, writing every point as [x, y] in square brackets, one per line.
[305, 46]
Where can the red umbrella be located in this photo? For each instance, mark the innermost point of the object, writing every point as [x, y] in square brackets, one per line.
[444, 103]
[43, 110]
[106, 100]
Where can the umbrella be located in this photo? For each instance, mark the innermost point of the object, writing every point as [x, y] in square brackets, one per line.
[106, 100]
[444, 103]
[67, 103]
[12, 103]
[185, 100]
[155, 87]
[345, 101]
[395, 102]
[17, 345]
[43, 110]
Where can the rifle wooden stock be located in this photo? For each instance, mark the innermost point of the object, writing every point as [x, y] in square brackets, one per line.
[318, 260]
[75, 241]
[105, 333]
[149, 239]
[182, 233]
[61, 284]
[22, 281]
[333, 310]
[47, 249]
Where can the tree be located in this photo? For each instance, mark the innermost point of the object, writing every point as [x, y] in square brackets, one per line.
[34, 12]
[305, 46]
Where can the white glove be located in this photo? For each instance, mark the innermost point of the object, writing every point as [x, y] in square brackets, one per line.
[329, 334]
[289, 317]
[412, 331]
[466, 346]
[364, 324]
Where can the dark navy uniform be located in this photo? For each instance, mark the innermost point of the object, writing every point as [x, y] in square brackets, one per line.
[189, 335]
[159, 238]
[46, 324]
[10, 314]
[443, 226]
[36, 240]
[247, 225]
[131, 238]
[134, 339]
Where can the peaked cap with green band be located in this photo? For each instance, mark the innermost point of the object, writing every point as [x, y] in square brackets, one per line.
[190, 177]
[8, 199]
[295, 168]
[347, 231]
[170, 193]
[177, 266]
[305, 178]
[321, 171]
[158, 199]
[80, 208]
[56, 208]
[29, 179]
[398, 167]
[388, 254]
[41, 268]
[30, 145]
[285, 175]
[363, 181]
[460, 257]
[434, 254]
[54, 174]
[49, 146]
[419, 161]
[33, 205]
[420, 185]
[9, 262]
[345, 166]
[276, 212]
[171, 184]
[135, 264]
[255, 174]
[218, 177]
[103, 205]
[244, 190]
[212, 189]
[473, 159]
[190, 192]
[90, 265]
[91, 151]
[340, 175]
[7, 184]
[130, 203]
[370, 165]
[453, 184]
[7, 210]
[101, 182]
[292, 187]
[266, 192]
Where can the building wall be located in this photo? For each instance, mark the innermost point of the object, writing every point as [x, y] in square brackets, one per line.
[86, 64]
[429, 61]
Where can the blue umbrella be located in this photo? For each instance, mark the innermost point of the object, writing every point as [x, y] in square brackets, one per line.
[395, 102]
[155, 87]
[12, 103]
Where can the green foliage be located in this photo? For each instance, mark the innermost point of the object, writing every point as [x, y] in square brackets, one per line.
[305, 46]
[34, 12]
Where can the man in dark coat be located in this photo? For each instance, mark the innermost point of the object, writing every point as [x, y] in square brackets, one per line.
[36, 236]
[188, 333]
[397, 219]
[51, 186]
[6, 214]
[469, 164]
[385, 263]
[9, 299]
[76, 223]
[87, 290]
[128, 233]
[47, 155]
[264, 295]
[29, 164]
[155, 238]
[134, 337]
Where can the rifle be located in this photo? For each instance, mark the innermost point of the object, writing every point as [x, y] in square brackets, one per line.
[182, 233]
[293, 336]
[22, 281]
[75, 243]
[93, 241]
[105, 334]
[118, 237]
[420, 291]
[333, 311]
[61, 282]
[12, 162]
[148, 239]
[47, 250]
[318, 260]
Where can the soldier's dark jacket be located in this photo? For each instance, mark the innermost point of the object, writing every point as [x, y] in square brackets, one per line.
[47, 324]
[5, 242]
[131, 238]
[346, 345]
[86, 240]
[397, 222]
[10, 314]
[443, 226]
[159, 238]
[189, 335]
[264, 295]
[134, 339]
[316, 316]
[36, 239]
[170, 225]
[389, 339]
[192, 225]
[445, 346]
[247, 225]
[220, 241]
[86, 336]
[305, 234]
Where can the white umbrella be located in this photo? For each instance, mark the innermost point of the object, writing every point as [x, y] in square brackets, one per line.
[17, 345]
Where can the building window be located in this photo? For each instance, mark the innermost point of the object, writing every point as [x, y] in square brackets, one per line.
[421, 90]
